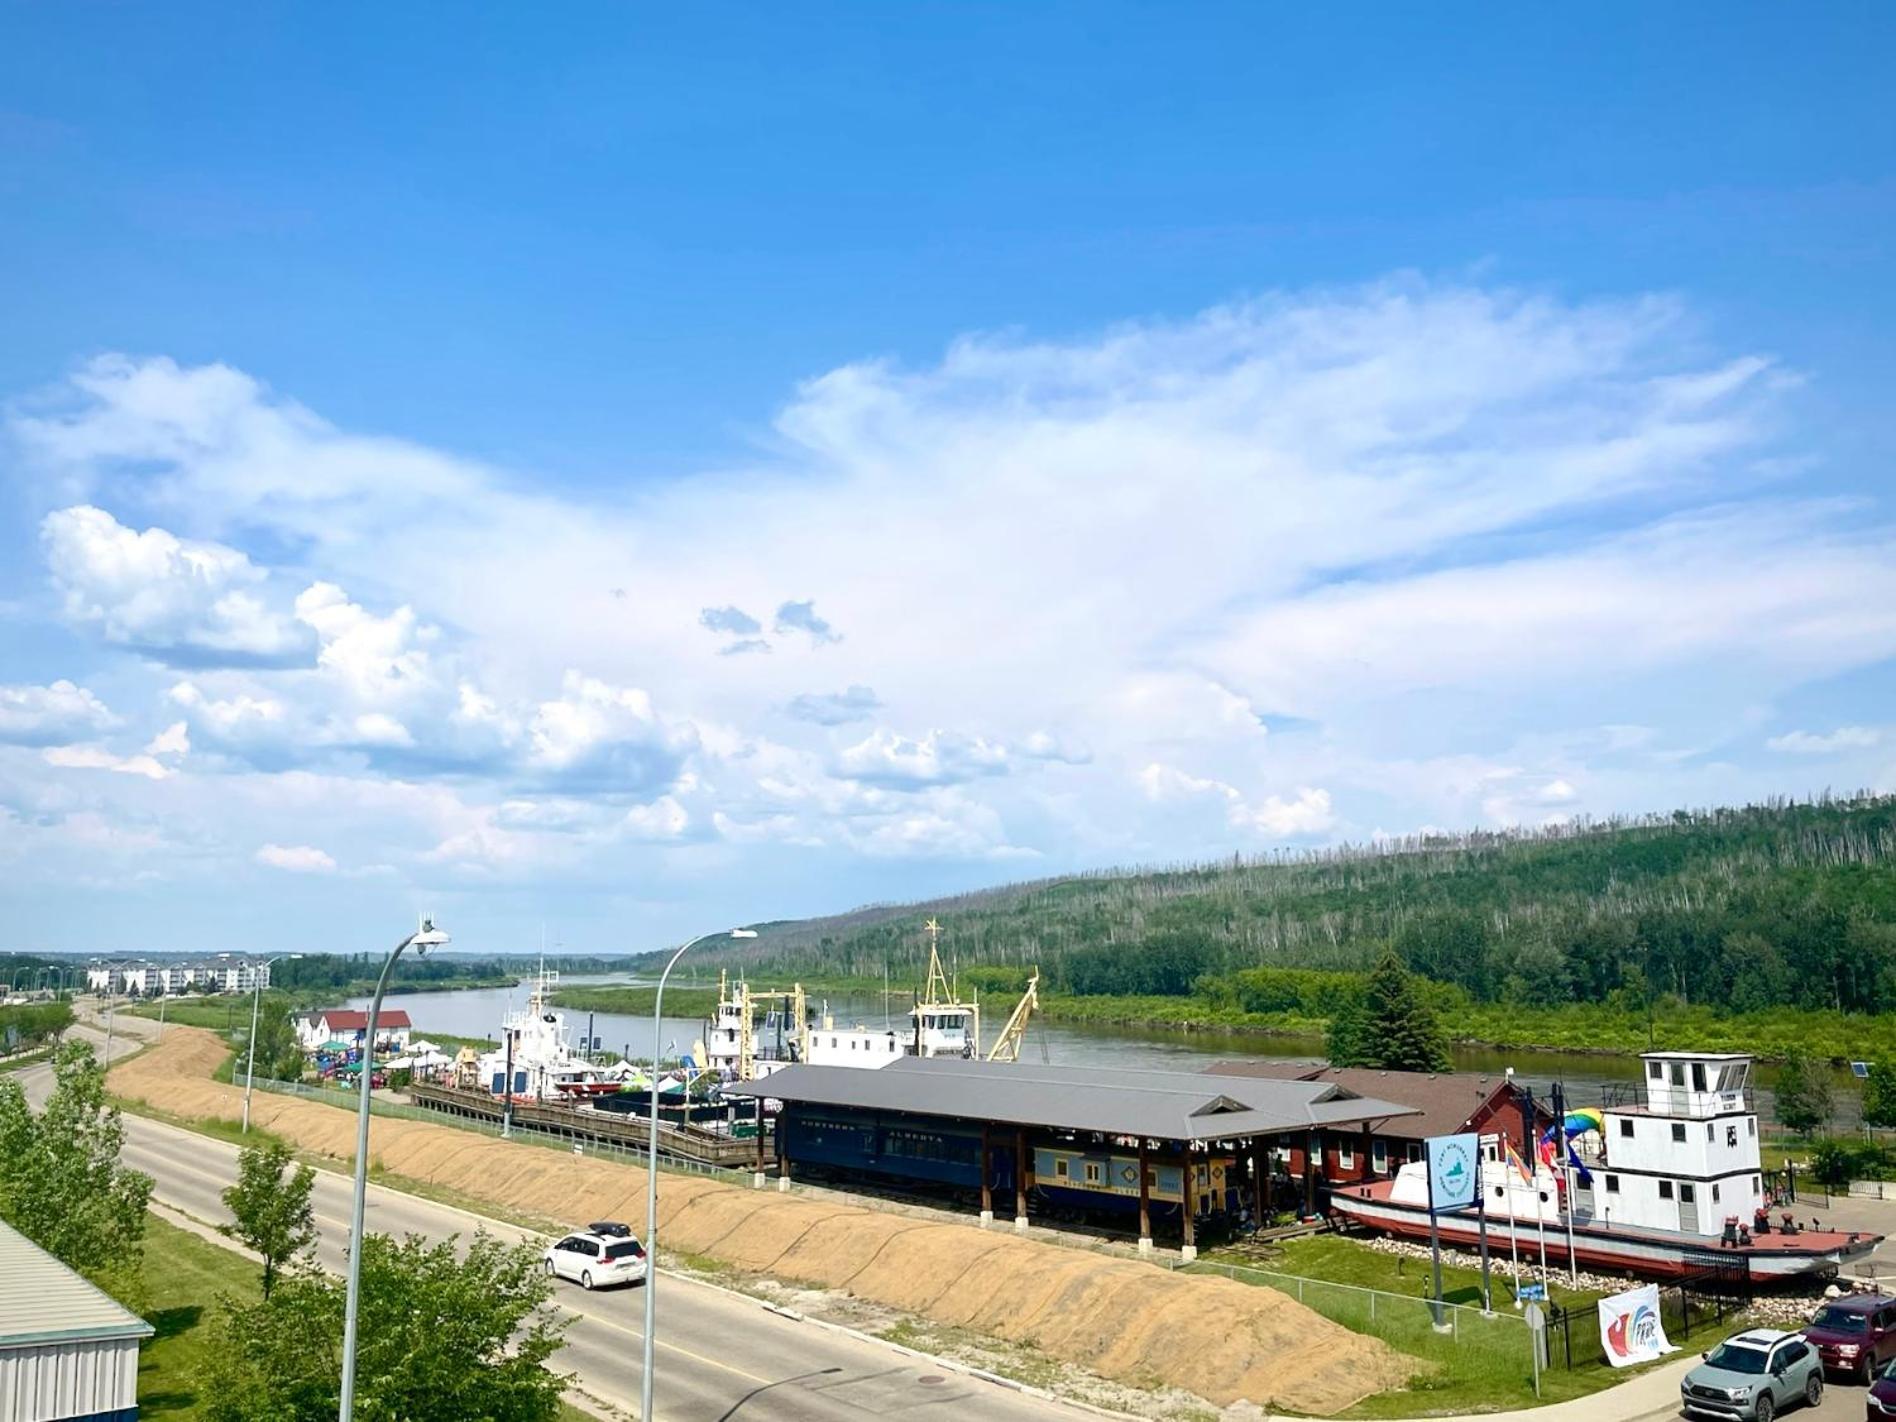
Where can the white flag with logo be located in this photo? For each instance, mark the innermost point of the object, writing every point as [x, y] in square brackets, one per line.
[1630, 1327]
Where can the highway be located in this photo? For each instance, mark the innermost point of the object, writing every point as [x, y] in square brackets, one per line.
[721, 1357]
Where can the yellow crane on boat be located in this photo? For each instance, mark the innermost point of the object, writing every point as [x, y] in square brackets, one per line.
[1013, 1033]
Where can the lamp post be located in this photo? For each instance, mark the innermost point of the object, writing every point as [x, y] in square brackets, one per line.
[421, 940]
[256, 1001]
[651, 1174]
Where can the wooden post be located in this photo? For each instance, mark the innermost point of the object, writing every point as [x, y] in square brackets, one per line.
[758, 1179]
[1313, 1167]
[1188, 1207]
[1260, 1170]
[1023, 1179]
[1363, 1171]
[987, 1179]
[1145, 1200]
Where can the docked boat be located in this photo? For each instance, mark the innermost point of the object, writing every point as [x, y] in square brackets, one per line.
[756, 1032]
[535, 1046]
[1666, 1181]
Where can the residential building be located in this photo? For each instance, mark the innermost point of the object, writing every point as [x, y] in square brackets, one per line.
[336, 1024]
[68, 1352]
[137, 977]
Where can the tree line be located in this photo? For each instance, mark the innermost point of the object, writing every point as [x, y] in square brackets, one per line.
[1741, 909]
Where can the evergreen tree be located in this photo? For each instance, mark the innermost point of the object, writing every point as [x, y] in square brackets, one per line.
[1393, 1028]
[1803, 1094]
[270, 1206]
[1879, 1093]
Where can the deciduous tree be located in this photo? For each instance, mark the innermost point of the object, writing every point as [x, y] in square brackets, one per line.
[61, 1184]
[1879, 1093]
[271, 1208]
[442, 1339]
[1803, 1093]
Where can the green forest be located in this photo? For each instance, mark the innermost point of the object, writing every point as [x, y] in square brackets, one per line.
[1782, 914]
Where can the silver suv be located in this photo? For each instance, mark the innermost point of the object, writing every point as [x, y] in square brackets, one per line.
[1754, 1376]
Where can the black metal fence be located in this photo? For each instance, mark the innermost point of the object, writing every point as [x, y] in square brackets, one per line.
[1704, 1299]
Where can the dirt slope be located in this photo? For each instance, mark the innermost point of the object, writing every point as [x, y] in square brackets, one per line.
[1125, 1320]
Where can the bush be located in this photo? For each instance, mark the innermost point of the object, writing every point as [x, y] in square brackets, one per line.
[1835, 1163]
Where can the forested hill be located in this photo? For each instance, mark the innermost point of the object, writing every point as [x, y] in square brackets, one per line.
[1782, 903]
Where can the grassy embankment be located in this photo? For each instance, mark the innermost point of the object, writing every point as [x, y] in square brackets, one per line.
[1483, 1366]
[638, 1001]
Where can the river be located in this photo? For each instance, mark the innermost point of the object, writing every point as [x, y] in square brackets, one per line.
[478, 1012]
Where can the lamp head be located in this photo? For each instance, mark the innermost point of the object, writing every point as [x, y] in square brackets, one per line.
[743, 933]
[427, 936]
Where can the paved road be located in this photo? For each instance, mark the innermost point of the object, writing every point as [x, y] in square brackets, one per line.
[721, 1358]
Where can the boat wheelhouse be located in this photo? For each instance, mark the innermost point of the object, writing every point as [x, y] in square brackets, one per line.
[1665, 1178]
[535, 1049]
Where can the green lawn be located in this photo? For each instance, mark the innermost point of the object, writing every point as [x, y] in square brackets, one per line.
[183, 1276]
[1483, 1366]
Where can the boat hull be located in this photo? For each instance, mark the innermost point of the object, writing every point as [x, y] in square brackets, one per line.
[1646, 1254]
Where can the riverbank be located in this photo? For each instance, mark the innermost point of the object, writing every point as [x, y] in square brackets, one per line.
[1584, 1030]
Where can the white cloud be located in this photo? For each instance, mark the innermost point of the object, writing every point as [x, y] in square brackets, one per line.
[1844, 738]
[43, 715]
[175, 739]
[1421, 530]
[99, 758]
[171, 597]
[938, 758]
[376, 658]
[296, 858]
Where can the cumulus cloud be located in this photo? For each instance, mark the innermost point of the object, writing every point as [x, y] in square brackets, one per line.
[1434, 527]
[173, 598]
[938, 758]
[45, 715]
[834, 708]
[801, 617]
[1844, 738]
[604, 738]
[296, 858]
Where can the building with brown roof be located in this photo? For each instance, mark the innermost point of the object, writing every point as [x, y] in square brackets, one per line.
[1445, 1104]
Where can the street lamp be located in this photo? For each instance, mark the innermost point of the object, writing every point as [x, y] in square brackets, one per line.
[421, 940]
[256, 1001]
[651, 1173]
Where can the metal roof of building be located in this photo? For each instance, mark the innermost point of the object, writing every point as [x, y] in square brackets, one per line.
[42, 1301]
[1158, 1105]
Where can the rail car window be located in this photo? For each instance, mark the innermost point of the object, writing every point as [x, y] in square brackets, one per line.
[1060, 1169]
[1092, 1172]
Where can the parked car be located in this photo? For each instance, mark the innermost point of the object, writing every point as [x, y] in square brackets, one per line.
[1754, 1376]
[1855, 1334]
[1882, 1399]
[596, 1261]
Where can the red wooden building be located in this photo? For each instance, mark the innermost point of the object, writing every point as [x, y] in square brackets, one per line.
[1447, 1103]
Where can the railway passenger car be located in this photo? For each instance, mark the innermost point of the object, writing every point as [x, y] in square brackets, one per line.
[1098, 1178]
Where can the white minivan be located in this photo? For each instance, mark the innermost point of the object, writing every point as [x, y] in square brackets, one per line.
[596, 1261]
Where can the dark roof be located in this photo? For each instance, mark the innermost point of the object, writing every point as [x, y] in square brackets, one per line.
[1158, 1105]
[349, 1020]
[1442, 1103]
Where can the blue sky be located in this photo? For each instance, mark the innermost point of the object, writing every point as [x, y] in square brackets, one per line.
[1190, 432]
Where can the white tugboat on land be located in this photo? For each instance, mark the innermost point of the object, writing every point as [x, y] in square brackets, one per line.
[1667, 1185]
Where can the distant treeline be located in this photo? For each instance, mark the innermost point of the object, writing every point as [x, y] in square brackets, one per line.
[1732, 910]
[335, 971]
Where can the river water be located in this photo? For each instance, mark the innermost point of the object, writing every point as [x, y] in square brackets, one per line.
[479, 1012]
